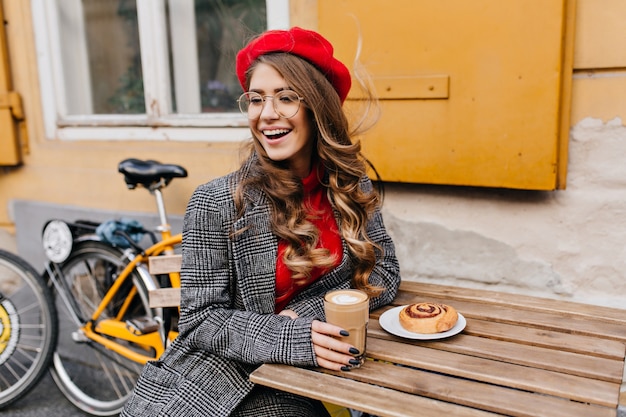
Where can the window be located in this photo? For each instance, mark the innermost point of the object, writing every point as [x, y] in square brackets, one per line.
[116, 69]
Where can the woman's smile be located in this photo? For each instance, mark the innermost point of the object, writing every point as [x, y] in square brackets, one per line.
[284, 139]
[275, 134]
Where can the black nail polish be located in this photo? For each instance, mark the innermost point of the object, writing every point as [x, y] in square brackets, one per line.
[355, 361]
[345, 368]
[344, 333]
[354, 351]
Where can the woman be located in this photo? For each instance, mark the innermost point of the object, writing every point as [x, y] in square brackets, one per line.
[262, 245]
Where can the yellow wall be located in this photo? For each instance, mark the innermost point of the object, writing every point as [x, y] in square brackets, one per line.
[599, 85]
[83, 173]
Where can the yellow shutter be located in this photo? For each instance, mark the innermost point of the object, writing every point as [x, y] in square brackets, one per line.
[11, 115]
[473, 93]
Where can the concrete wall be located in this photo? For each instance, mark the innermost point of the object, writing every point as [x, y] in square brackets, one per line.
[31, 217]
[562, 244]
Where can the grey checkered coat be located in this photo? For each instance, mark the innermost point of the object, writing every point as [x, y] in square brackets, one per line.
[228, 326]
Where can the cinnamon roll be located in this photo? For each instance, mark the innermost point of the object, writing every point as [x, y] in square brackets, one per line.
[428, 318]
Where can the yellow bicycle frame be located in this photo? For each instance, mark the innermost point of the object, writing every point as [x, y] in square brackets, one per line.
[108, 331]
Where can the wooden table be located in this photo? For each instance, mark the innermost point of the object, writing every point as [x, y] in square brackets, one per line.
[518, 355]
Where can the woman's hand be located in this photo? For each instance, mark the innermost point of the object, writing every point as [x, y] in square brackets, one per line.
[332, 353]
[289, 313]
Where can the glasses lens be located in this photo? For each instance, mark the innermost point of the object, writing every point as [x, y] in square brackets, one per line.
[250, 104]
[287, 103]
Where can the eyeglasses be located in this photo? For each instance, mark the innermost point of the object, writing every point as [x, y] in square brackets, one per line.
[286, 103]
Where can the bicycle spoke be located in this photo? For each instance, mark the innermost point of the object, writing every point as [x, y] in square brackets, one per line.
[28, 308]
[5, 382]
[121, 377]
[24, 350]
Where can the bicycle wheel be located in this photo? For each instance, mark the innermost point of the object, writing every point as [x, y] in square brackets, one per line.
[96, 380]
[28, 327]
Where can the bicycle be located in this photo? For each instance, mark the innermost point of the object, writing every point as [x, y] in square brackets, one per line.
[96, 293]
[28, 327]
[107, 330]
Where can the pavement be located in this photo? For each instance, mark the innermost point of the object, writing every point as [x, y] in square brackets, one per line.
[44, 400]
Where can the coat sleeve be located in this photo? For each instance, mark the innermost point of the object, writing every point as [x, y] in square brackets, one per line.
[209, 319]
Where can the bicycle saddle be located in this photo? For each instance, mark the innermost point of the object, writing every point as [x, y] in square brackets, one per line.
[150, 174]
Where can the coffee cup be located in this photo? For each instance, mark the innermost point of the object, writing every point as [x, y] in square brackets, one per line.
[349, 309]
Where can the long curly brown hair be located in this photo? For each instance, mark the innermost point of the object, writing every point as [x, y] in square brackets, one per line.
[344, 168]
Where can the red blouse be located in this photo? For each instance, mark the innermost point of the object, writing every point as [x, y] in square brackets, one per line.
[320, 214]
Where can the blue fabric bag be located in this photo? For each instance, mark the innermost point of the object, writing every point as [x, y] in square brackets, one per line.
[107, 232]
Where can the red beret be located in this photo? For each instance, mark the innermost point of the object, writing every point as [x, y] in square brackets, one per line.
[306, 44]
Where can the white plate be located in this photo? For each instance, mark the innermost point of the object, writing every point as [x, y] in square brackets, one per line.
[390, 321]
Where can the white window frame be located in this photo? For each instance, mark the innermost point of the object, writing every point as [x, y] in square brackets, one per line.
[158, 123]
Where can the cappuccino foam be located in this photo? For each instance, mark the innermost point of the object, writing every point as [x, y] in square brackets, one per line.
[347, 299]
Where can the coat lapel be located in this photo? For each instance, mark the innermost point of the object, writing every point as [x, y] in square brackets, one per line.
[255, 251]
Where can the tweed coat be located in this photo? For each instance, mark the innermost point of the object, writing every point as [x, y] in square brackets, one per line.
[227, 323]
